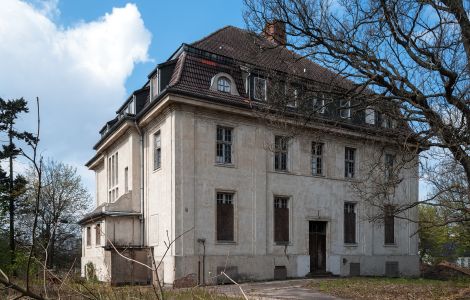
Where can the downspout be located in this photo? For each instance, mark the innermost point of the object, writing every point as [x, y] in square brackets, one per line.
[142, 223]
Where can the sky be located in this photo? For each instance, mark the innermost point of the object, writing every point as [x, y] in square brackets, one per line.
[83, 59]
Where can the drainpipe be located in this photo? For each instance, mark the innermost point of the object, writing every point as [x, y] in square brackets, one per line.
[142, 223]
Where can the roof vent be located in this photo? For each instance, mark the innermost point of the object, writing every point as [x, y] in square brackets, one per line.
[275, 32]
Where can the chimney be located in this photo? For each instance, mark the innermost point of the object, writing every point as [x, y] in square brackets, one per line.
[275, 32]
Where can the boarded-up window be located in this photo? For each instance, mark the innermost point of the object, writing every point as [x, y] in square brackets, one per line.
[98, 234]
[88, 236]
[153, 230]
[349, 223]
[225, 217]
[281, 220]
[389, 222]
[280, 153]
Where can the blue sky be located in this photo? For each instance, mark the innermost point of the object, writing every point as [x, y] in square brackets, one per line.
[170, 22]
[83, 58]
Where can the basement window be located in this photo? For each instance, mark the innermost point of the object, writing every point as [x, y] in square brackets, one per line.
[281, 220]
[225, 232]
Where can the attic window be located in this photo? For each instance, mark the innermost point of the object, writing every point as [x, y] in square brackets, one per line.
[223, 84]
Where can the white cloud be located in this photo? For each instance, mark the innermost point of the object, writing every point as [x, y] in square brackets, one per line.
[77, 72]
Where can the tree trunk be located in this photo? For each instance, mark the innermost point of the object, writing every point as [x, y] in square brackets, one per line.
[11, 199]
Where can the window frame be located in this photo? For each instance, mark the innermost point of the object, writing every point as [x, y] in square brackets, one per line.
[315, 157]
[113, 176]
[345, 105]
[224, 144]
[281, 202]
[281, 149]
[88, 237]
[157, 150]
[218, 230]
[389, 220]
[98, 235]
[389, 165]
[322, 108]
[226, 86]
[255, 96]
[347, 210]
[348, 161]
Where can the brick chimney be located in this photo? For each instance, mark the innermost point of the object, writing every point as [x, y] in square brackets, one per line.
[275, 32]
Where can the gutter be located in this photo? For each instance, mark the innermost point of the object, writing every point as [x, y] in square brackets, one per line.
[142, 223]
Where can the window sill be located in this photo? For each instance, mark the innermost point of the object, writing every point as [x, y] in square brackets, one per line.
[282, 171]
[226, 165]
[225, 242]
[156, 170]
[351, 245]
[394, 245]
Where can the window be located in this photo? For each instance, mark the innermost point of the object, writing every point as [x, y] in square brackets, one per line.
[224, 145]
[389, 162]
[281, 220]
[98, 234]
[319, 104]
[225, 217]
[292, 102]
[126, 180]
[88, 236]
[370, 116]
[154, 85]
[157, 151]
[131, 107]
[388, 122]
[113, 191]
[280, 153]
[223, 84]
[349, 161]
[389, 224]
[345, 109]
[349, 223]
[317, 158]
[259, 89]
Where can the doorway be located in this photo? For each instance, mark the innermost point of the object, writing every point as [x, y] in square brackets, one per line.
[317, 246]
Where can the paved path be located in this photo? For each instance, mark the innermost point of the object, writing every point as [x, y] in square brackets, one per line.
[288, 289]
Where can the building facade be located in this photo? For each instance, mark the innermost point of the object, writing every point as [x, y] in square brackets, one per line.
[188, 174]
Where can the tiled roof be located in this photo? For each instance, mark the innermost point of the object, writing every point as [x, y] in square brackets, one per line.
[254, 49]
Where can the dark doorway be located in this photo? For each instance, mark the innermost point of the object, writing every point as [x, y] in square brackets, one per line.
[317, 246]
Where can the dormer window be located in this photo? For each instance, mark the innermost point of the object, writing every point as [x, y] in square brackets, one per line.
[345, 109]
[223, 84]
[260, 89]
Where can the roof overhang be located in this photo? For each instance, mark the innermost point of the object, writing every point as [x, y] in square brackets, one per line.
[95, 216]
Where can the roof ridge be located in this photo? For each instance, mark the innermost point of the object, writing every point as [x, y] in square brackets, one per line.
[212, 34]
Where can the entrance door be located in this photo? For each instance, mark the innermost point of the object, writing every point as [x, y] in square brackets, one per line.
[317, 246]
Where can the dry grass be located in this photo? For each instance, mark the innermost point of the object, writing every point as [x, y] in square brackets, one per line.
[394, 288]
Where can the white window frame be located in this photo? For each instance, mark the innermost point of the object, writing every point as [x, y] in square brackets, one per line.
[345, 106]
[350, 161]
[157, 150]
[224, 143]
[226, 86]
[315, 156]
[255, 84]
[322, 107]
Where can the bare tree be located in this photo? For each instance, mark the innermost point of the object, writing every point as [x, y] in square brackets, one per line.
[63, 200]
[406, 59]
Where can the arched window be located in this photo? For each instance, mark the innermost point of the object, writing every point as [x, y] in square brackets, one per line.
[223, 84]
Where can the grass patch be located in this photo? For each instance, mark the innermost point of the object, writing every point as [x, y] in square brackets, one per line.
[394, 288]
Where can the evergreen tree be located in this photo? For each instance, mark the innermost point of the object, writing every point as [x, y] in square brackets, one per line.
[9, 113]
